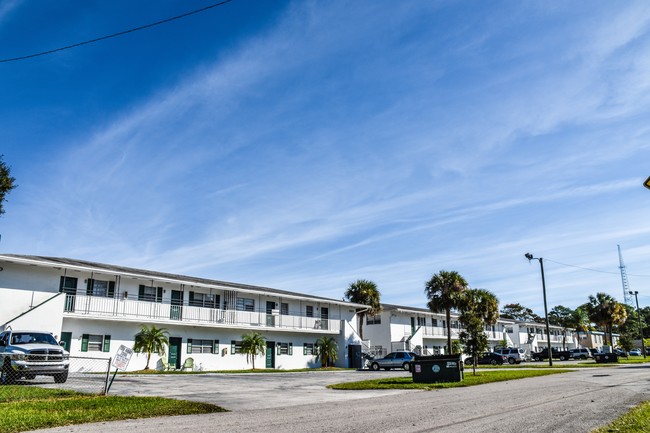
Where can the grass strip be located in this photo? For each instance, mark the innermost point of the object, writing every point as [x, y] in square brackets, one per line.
[481, 377]
[27, 408]
[257, 370]
[636, 420]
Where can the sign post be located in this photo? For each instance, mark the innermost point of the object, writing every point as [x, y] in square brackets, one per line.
[120, 362]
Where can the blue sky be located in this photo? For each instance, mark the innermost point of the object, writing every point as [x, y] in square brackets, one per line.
[302, 145]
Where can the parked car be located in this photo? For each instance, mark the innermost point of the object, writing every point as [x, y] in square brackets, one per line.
[580, 354]
[32, 353]
[488, 358]
[512, 354]
[401, 360]
[543, 354]
[620, 352]
[635, 352]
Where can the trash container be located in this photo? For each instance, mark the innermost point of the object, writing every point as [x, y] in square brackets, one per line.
[605, 357]
[437, 368]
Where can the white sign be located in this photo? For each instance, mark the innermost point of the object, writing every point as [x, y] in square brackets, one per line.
[122, 357]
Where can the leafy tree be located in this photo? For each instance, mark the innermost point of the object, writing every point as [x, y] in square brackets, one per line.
[519, 312]
[456, 347]
[253, 345]
[364, 292]
[151, 340]
[327, 350]
[444, 291]
[580, 320]
[561, 316]
[606, 312]
[7, 183]
[479, 308]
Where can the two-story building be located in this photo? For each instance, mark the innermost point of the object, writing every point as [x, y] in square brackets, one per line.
[94, 308]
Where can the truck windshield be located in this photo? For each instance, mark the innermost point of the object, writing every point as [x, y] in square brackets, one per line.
[32, 338]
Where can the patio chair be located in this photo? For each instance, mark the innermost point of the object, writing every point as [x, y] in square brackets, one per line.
[188, 365]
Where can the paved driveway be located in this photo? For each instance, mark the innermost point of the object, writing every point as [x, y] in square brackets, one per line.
[573, 402]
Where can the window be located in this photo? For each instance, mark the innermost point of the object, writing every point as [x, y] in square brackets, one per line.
[202, 346]
[245, 304]
[308, 349]
[434, 321]
[284, 309]
[204, 300]
[95, 343]
[309, 311]
[373, 319]
[284, 348]
[149, 293]
[422, 321]
[100, 288]
[68, 285]
[235, 347]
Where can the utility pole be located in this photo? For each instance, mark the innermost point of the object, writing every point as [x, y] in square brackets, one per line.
[530, 257]
[638, 313]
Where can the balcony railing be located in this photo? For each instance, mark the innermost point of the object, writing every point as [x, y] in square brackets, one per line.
[125, 308]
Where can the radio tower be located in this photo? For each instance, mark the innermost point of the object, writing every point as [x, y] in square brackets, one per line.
[627, 298]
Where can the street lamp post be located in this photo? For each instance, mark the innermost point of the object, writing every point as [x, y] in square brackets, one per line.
[638, 313]
[530, 257]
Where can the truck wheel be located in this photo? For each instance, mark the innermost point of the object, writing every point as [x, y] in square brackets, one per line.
[493, 362]
[61, 377]
[511, 361]
[7, 374]
[375, 366]
[562, 358]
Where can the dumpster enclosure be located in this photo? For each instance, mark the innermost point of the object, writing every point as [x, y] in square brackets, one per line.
[437, 368]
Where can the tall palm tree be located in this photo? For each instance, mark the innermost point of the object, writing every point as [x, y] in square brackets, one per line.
[444, 291]
[478, 308]
[253, 345]
[327, 350]
[606, 312]
[364, 292]
[151, 340]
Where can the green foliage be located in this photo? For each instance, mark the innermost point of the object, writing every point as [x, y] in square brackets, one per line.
[478, 308]
[606, 312]
[444, 291]
[626, 342]
[253, 345]
[364, 292]
[561, 316]
[7, 182]
[519, 312]
[636, 420]
[327, 350]
[478, 379]
[151, 340]
[27, 408]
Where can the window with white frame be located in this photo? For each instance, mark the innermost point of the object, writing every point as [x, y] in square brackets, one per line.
[95, 343]
[245, 304]
[284, 348]
[204, 300]
[202, 346]
[235, 347]
[308, 349]
[150, 293]
[422, 321]
[284, 309]
[100, 288]
[434, 322]
[309, 311]
[373, 319]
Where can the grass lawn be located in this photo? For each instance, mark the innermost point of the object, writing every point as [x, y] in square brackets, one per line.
[28, 408]
[257, 370]
[635, 421]
[481, 377]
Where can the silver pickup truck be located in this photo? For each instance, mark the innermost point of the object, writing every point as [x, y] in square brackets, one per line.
[27, 354]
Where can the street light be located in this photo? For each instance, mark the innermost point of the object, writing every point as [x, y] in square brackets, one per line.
[530, 257]
[638, 313]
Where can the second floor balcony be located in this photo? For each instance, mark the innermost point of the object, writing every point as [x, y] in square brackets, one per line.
[142, 311]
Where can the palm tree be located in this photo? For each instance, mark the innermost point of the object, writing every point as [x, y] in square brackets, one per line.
[327, 350]
[151, 340]
[444, 291]
[478, 308]
[364, 292]
[253, 345]
[606, 312]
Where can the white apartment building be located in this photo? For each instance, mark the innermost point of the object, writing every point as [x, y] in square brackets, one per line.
[94, 308]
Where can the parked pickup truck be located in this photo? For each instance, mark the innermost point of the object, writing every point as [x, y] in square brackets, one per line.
[27, 354]
[562, 355]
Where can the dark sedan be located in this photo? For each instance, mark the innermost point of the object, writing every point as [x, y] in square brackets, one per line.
[488, 358]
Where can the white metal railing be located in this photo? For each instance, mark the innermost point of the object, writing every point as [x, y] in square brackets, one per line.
[114, 307]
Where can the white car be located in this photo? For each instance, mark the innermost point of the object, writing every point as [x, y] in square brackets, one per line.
[514, 354]
[635, 352]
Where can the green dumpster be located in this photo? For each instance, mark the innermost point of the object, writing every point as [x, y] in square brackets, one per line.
[605, 357]
[437, 368]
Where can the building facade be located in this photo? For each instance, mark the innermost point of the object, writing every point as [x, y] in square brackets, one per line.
[94, 308]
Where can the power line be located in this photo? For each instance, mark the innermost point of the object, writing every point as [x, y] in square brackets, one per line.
[221, 3]
[594, 270]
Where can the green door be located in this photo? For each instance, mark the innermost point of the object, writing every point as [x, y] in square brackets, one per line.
[270, 354]
[176, 309]
[66, 338]
[174, 358]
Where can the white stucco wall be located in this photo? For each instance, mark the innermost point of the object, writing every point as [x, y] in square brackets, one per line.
[46, 317]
